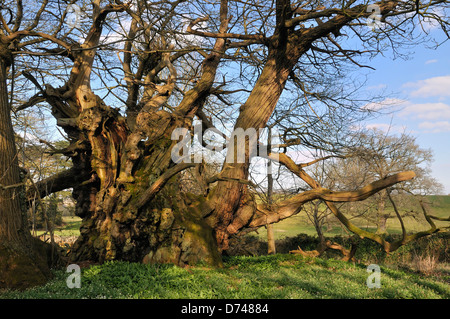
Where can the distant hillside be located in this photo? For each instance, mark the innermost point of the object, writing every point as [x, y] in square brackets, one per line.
[440, 205]
[441, 199]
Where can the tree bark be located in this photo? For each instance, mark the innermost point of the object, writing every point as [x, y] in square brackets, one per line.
[382, 217]
[254, 114]
[21, 264]
[142, 217]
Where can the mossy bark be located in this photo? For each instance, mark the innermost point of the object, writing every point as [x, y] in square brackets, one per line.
[25, 266]
[120, 220]
[166, 230]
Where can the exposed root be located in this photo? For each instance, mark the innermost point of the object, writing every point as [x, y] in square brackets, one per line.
[348, 255]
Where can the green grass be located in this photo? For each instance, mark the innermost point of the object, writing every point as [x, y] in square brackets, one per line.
[264, 277]
[280, 277]
[441, 205]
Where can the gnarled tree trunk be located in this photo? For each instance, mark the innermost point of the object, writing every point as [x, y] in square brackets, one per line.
[135, 214]
[124, 180]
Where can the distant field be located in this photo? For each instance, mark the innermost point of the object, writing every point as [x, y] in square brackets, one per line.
[65, 234]
[441, 205]
[70, 227]
[300, 224]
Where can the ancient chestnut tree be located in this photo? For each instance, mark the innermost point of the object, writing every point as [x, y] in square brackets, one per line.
[121, 77]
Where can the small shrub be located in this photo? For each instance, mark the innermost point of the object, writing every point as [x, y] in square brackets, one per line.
[424, 264]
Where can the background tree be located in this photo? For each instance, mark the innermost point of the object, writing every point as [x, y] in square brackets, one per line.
[379, 155]
[39, 159]
[375, 155]
[130, 74]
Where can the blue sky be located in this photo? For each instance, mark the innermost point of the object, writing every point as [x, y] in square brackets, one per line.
[420, 88]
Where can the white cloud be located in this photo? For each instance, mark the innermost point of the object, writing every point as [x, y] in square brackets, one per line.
[379, 126]
[431, 61]
[435, 127]
[385, 104]
[117, 36]
[427, 111]
[437, 87]
[388, 128]
[430, 22]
